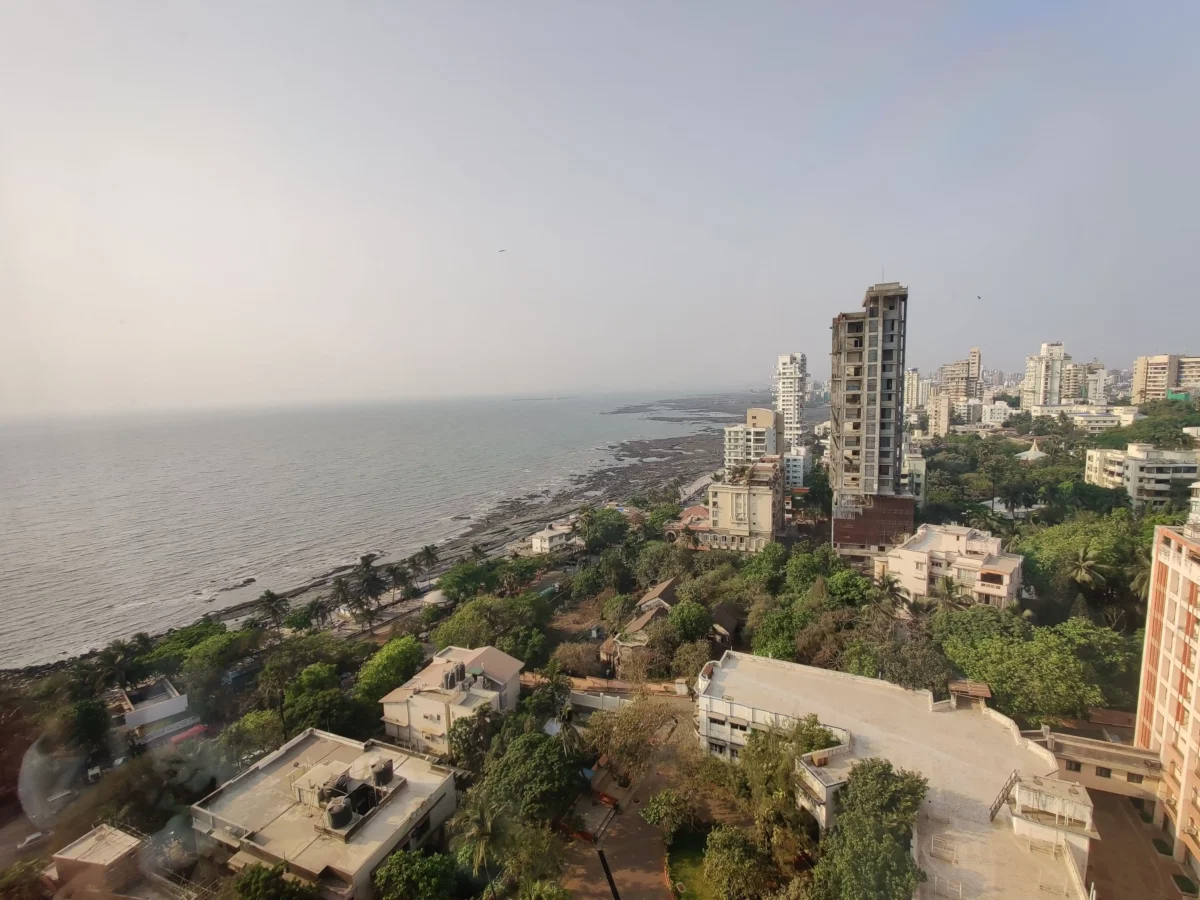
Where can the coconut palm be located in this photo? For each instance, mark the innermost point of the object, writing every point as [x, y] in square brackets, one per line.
[891, 592]
[273, 608]
[415, 565]
[340, 594]
[365, 612]
[1139, 571]
[949, 594]
[983, 519]
[112, 666]
[510, 581]
[1085, 568]
[478, 553]
[481, 828]
[689, 538]
[399, 577]
[542, 890]
[368, 582]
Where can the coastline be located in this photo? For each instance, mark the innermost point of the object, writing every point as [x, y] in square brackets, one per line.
[638, 465]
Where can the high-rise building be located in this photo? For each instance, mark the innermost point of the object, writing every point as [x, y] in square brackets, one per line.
[1168, 703]
[749, 442]
[924, 392]
[1044, 375]
[871, 509]
[1156, 376]
[940, 409]
[791, 389]
[960, 379]
[912, 389]
[1074, 379]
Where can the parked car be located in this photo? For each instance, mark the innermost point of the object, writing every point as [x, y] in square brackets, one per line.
[33, 840]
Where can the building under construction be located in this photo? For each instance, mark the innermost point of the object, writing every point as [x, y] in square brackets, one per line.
[872, 509]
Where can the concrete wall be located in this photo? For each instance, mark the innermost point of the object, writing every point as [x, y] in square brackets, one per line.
[1117, 784]
[441, 806]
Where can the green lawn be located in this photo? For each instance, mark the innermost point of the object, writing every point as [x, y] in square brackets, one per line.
[686, 861]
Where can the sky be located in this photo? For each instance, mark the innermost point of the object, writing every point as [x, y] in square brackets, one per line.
[208, 204]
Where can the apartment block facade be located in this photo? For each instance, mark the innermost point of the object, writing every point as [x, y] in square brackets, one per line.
[866, 407]
[1155, 376]
[975, 560]
[760, 435]
[1167, 720]
[960, 379]
[791, 387]
[1044, 376]
[1148, 475]
[745, 514]
[912, 389]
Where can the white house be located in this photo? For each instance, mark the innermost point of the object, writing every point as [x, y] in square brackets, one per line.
[554, 537]
[456, 683]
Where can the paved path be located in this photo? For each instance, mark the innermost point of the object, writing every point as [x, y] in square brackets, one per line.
[1123, 863]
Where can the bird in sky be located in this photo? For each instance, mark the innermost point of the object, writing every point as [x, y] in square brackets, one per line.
[501, 251]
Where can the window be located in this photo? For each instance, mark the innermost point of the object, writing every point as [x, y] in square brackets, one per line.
[1133, 778]
[716, 748]
[1073, 766]
[1102, 772]
[733, 753]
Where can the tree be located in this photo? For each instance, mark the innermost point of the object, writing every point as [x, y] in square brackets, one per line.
[578, 658]
[949, 594]
[690, 658]
[765, 569]
[467, 579]
[429, 557]
[364, 610]
[257, 882]
[865, 856]
[400, 578]
[88, 724]
[669, 811]
[891, 592]
[534, 854]
[534, 777]
[393, 664]
[299, 619]
[617, 611]
[690, 620]
[481, 828]
[412, 875]
[22, 880]
[330, 710]
[470, 738]
[1086, 567]
[626, 735]
[273, 608]
[542, 890]
[340, 594]
[368, 583]
[587, 583]
[734, 868]
[258, 731]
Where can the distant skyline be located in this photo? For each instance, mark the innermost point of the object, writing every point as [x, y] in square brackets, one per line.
[232, 204]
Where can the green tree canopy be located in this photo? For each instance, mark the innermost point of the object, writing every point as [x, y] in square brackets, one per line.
[734, 867]
[392, 665]
[260, 883]
[690, 620]
[416, 876]
[534, 777]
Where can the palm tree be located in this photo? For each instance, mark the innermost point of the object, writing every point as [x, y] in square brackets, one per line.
[415, 565]
[399, 578]
[949, 593]
[586, 527]
[1085, 568]
[891, 592]
[320, 609]
[689, 538]
[273, 607]
[481, 827]
[478, 553]
[510, 581]
[340, 595]
[1139, 571]
[429, 558]
[368, 583]
[364, 610]
[112, 666]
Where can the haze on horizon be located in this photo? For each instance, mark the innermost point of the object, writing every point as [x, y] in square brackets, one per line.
[210, 204]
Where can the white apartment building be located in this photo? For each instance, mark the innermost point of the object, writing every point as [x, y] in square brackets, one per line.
[968, 411]
[995, 821]
[1077, 376]
[456, 683]
[1154, 376]
[924, 392]
[960, 379]
[328, 808]
[791, 389]
[755, 438]
[912, 389]
[994, 415]
[940, 410]
[1044, 376]
[747, 513]
[1095, 422]
[1146, 474]
[1125, 415]
[974, 559]
[555, 537]
[797, 463]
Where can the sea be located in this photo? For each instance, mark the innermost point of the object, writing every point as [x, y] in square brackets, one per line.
[110, 526]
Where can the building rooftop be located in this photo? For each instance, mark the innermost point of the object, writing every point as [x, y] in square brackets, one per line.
[102, 846]
[966, 754]
[664, 591]
[497, 665]
[272, 812]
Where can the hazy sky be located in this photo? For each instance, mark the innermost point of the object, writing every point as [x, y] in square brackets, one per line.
[212, 203]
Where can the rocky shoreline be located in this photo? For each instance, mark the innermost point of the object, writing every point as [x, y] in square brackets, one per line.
[640, 465]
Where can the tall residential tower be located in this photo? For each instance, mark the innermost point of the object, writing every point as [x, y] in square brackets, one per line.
[871, 509]
[1044, 376]
[791, 387]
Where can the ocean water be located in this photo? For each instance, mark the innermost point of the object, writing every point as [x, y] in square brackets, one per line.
[112, 526]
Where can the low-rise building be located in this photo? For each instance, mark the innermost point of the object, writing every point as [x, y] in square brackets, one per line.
[555, 537]
[1147, 475]
[1125, 415]
[151, 712]
[974, 559]
[757, 437]
[456, 683]
[746, 513]
[995, 821]
[994, 415]
[328, 808]
[105, 862]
